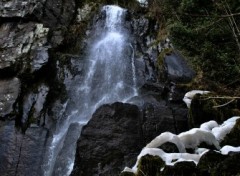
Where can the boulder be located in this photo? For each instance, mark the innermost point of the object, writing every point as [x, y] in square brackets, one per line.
[110, 139]
[177, 69]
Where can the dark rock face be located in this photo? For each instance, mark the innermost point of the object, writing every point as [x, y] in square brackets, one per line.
[181, 168]
[21, 154]
[177, 69]
[116, 133]
[31, 92]
[111, 139]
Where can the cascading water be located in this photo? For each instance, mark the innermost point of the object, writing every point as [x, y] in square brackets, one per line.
[109, 77]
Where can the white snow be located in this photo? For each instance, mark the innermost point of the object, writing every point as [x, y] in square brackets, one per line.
[226, 149]
[195, 136]
[167, 137]
[143, 2]
[169, 158]
[208, 126]
[127, 169]
[221, 131]
[209, 132]
[189, 96]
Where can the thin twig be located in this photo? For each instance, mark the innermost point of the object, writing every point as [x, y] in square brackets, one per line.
[221, 98]
[219, 106]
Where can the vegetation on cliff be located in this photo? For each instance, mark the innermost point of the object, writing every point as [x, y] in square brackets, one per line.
[207, 33]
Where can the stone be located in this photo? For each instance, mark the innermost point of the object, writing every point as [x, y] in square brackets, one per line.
[21, 154]
[111, 139]
[18, 40]
[177, 69]
[150, 165]
[181, 168]
[33, 104]
[209, 161]
[157, 118]
[169, 147]
[21, 8]
[9, 91]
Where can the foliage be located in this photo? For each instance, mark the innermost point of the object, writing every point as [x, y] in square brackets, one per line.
[206, 32]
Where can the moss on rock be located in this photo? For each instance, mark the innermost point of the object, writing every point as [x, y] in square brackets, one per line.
[180, 169]
[150, 165]
[211, 107]
[208, 162]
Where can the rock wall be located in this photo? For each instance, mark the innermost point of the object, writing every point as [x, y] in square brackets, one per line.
[30, 89]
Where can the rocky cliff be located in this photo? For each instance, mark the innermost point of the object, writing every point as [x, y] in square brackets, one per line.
[42, 50]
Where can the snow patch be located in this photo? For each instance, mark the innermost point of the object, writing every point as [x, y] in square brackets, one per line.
[189, 96]
[226, 149]
[167, 137]
[221, 131]
[196, 136]
[208, 126]
[209, 132]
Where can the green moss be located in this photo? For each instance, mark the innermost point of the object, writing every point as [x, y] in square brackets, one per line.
[150, 165]
[209, 162]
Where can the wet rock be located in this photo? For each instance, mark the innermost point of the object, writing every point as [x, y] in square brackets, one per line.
[21, 154]
[21, 8]
[209, 161]
[9, 91]
[229, 166]
[150, 165]
[57, 13]
[116, 133]
[62, 165]
[177, 69]
[18, 40]
[110, 139]
[181, 168]
[33, 104]
[157, 118]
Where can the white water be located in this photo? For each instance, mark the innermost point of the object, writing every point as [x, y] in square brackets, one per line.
[110, 77]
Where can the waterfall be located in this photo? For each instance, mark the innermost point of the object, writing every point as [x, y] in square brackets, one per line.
[110, 76]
